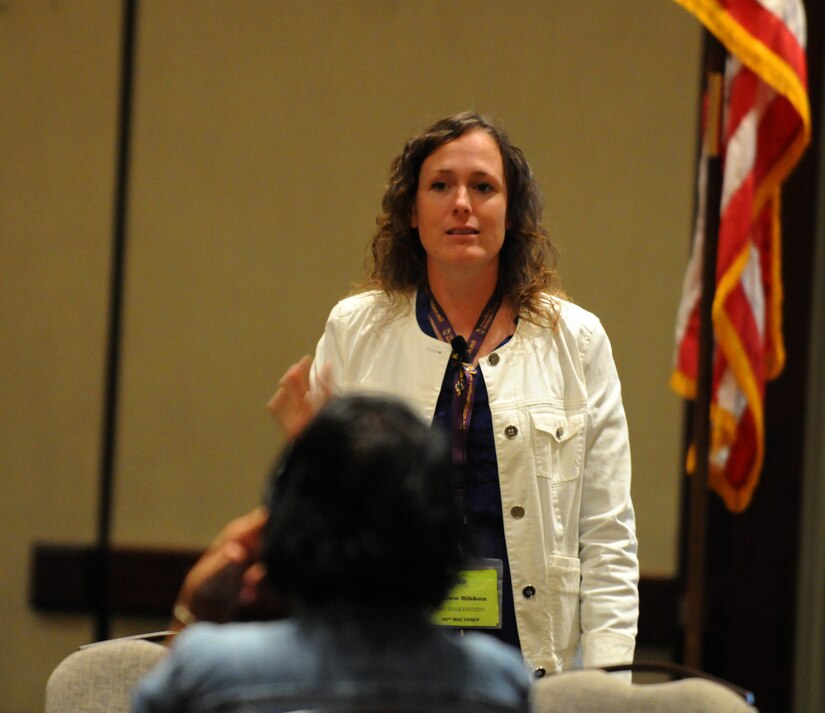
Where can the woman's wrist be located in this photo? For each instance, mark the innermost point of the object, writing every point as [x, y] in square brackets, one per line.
[182, 617]
[182, 614]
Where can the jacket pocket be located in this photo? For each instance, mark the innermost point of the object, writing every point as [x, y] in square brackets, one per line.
[559, 445]
[564, 584]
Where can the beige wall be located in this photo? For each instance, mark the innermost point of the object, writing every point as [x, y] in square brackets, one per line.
[58, 83]
[262, 137]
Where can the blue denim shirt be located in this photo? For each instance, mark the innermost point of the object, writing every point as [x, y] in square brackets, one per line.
[312, 661]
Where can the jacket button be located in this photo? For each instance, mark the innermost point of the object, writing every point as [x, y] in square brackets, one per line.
[539, 672]
[511, 432]
[529, 591]
[517, 511]
[559, 432]
[493, 359]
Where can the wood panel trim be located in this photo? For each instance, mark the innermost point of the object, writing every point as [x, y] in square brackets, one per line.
[142, 581]
[145, 581]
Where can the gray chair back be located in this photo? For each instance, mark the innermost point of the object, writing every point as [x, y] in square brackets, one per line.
[100, 678]
[593, 691]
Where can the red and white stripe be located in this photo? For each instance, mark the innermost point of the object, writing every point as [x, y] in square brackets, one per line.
[766, 128]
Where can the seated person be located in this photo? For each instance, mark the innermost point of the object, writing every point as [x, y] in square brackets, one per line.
[360, 546]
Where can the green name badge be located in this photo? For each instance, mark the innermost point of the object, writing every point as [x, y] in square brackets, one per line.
[475, 602]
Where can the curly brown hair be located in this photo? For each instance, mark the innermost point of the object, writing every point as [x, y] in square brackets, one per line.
[527, 263]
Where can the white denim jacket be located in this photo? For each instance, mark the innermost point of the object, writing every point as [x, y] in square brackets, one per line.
[563, 459]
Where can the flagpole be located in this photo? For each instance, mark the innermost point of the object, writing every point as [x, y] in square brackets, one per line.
[101, 573]
[695, 589]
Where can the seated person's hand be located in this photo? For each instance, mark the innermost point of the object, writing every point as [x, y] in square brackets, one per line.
[294, 404]
[227, 582]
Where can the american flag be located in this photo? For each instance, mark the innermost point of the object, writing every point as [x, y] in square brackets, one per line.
[766, 127]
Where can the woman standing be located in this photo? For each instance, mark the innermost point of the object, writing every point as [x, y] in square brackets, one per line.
[465, 322]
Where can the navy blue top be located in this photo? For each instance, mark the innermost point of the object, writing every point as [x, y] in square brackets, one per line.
[478, 480]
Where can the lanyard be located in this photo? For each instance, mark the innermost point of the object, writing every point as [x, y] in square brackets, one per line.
[461, 361]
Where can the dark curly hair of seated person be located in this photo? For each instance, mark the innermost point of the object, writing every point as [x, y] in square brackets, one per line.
[362, 513]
